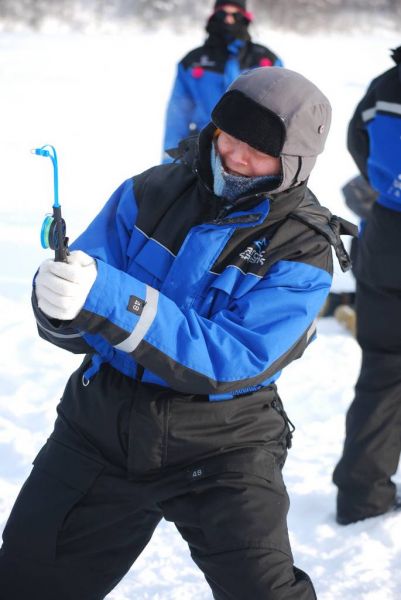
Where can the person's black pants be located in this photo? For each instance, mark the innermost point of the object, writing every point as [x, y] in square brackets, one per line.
[373, 425]
[124, 455]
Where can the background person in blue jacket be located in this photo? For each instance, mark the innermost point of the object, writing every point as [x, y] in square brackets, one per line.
[373, 426]
[195, 285]
[205, 73]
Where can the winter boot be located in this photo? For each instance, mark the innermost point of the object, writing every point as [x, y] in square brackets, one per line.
[396, 506]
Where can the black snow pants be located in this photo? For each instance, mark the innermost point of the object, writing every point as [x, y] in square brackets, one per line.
[122, 456]
[373, 425]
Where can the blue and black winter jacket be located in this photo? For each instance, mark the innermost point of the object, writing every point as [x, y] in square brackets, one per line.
[374, 137]
[196, 297]
[203, 76]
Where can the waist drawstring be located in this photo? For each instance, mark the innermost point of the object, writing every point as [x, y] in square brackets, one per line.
[94, 367]
[289, 424]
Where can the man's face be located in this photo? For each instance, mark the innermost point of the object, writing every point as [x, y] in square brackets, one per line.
[230, 10]
[239, 158]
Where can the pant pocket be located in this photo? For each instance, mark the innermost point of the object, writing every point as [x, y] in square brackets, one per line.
[198, 428]
[59, 479]
[242, 501]
[252, 461]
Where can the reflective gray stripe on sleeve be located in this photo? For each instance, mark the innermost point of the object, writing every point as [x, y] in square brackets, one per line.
[381, 105]
[65, 336]
[145, 321]
[312, 330]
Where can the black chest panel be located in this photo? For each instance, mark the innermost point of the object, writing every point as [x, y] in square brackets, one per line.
[171, 200]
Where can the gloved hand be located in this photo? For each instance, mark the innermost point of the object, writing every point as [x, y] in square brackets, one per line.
[62, 288]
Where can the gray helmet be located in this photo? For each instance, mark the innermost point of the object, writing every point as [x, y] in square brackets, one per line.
[279, 112]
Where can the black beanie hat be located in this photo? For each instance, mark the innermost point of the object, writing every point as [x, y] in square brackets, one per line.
[240, 3]
[242, 117]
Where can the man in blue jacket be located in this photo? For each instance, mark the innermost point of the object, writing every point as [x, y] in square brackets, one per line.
[373, 427]
[205, 73]
[195, 285]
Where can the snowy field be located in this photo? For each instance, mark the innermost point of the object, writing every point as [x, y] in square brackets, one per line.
[100, 99]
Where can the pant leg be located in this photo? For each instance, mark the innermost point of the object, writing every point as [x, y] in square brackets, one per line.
[373, 424]
[78, 523]
[234, 515]
[75, 530]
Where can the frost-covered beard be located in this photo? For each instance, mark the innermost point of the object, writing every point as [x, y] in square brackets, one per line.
[226, 32]
[233, 187]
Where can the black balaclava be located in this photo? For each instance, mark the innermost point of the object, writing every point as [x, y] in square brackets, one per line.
[216, 27]
[240, 3]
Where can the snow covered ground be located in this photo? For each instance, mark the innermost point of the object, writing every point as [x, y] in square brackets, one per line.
[100, 99]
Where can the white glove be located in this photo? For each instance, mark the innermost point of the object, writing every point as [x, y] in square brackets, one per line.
[62, 288]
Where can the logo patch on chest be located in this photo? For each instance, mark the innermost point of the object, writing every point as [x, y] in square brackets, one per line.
[255, 254]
